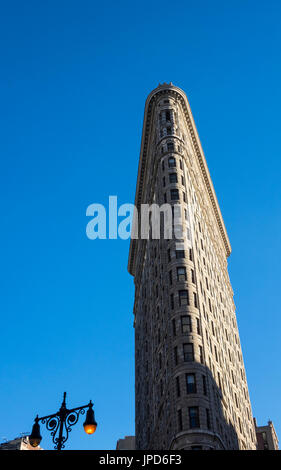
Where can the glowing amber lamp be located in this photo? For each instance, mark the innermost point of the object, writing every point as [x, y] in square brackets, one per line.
[90, 428]
[90, 424]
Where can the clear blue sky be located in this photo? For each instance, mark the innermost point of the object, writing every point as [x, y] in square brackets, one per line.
[74, 79]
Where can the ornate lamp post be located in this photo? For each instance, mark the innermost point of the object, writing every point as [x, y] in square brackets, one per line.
[61, 422]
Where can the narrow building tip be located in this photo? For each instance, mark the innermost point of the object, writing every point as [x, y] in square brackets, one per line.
[165, 84]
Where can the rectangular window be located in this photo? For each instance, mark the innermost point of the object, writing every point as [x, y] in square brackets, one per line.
[190, 383]
[198, 326]
[188, 354]
[172, 162]
[176, 355]
[170, 277]
[173, 177]
[170, 146]
[201, 354]
[174, 194]
[168, 116]
[190, 254]
[186, 326]
[172, 301]
[264, 437]
[208, 421]
[169, 130]
[219, 379]
[181, 164]
[240, 426]
[194, 417]
[183, 298]
[178, 386]
[216, 354]
[182, 180]
[181, 274]
[169, 255]
[174, 327]
[218, 426]
[179, 420]
[204, 382]
[193, 277]
[164, 182]
[195, 300]
[180, 254]
[183, 196]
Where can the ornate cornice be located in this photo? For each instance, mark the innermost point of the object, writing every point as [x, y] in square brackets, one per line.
[181, 97]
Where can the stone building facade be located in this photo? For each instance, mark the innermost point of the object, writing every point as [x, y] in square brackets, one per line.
[19, 443]
[190, 388]
[128, 443]
[266, 437]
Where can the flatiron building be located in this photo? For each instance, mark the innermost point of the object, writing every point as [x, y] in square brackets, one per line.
[190, 385]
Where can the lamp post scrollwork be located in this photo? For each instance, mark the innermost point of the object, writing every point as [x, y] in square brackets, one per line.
[60, 424]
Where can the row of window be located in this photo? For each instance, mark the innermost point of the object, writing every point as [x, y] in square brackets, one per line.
[168, 131]
[186, 325]
[183, 299]
[168, 115]
[191, 384]
[194, 419]
[187, 353]
[181, 275]
[170, 147]
[173, 178]
[180, 254]
[171, 160]
[175, 196]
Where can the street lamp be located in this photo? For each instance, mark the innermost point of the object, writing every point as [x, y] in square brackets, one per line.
[61, 422]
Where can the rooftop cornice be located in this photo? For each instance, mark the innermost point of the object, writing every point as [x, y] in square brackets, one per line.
[172, 90]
